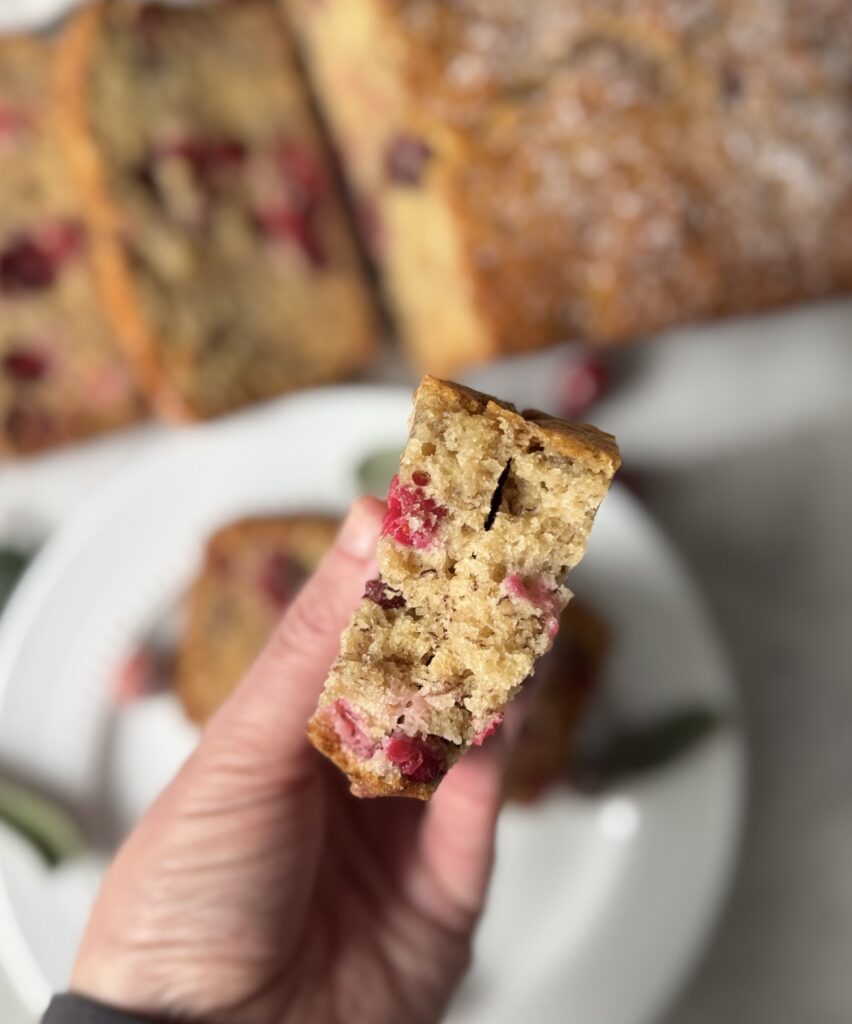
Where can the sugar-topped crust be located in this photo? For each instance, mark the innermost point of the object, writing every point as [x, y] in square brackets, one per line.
[592, 169]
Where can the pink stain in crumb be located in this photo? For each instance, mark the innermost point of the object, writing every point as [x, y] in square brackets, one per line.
[108, 385]
[418, 758]
[540, 595]
[489, 729]
[13, 124]
[413, 518]
[346, 722]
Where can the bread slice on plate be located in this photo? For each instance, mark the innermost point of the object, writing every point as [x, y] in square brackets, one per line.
[489, 511]
[62, 375]
[251, 571]
[224, 254]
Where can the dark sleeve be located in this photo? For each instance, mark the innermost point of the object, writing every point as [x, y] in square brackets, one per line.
[71, 1009]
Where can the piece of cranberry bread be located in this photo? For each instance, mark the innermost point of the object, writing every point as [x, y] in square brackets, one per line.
[62, 376]
[566, 678]
[489, 511]
[537, 170]
[224, 252]
[251, 572]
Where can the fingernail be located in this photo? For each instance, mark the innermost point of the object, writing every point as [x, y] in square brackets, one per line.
[360, 530]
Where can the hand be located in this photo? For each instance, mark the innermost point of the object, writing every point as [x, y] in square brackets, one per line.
[257, 890]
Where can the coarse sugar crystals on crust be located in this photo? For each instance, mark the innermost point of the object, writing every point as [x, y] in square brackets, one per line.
[537, 170]
[489, 511]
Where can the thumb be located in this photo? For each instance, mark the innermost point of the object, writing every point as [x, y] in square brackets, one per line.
[266, 718]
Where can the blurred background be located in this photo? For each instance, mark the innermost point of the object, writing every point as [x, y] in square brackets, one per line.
[242, 231]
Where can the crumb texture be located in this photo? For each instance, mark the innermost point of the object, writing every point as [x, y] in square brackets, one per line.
[489, 512]
[228, 260]
[250, 573]
[62, 376]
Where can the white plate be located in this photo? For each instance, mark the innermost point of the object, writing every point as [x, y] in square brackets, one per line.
[598, 909]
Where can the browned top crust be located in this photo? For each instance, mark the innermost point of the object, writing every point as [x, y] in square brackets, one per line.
[575, 440]
[618, 166]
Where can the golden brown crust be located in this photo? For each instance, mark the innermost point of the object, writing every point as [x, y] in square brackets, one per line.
[574, 440]
[117, 289]
[608, 170]
[86, 387]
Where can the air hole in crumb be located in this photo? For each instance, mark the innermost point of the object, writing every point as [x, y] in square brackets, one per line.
[427, 659]
[534, 446]
[427, 449]
[497, 497]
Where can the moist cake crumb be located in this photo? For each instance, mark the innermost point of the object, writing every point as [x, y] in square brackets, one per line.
[488, 513]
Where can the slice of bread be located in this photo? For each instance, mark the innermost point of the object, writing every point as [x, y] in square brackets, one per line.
[62, 375]
[488, 513]
[252, 570]
[224, 254]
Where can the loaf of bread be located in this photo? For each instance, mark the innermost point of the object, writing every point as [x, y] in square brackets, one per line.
[62, 376]
[252, 570]
[223, 251]
[489, 511]
[538, 170]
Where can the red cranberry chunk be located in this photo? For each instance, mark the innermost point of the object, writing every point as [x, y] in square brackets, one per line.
[582, 384]
[418, 758]
[26, 267]
[25, 365]
[33, 262]
[281, 579]
[406, 158]
[347, 724]
[208, 158]
[413, 518]
[382, 595]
